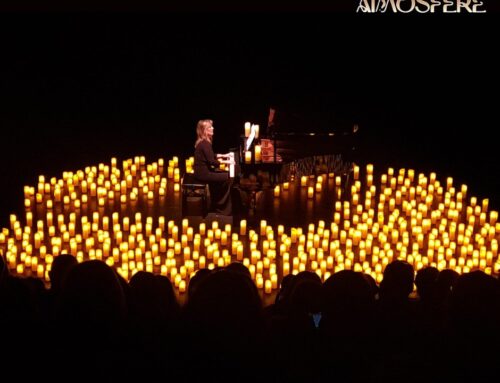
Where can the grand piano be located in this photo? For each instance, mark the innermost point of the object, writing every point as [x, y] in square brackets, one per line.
[287, 150]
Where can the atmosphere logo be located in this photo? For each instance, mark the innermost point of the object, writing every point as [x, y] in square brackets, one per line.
[421, 6]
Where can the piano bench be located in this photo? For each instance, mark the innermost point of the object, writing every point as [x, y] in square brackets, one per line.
[195, 196]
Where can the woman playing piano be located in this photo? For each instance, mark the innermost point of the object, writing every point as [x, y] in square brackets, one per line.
[206, 165]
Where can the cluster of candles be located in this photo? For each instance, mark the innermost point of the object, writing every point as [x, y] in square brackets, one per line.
[403, 216]
[255, 150]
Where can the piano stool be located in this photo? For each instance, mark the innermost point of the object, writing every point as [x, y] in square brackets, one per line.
[195, 196]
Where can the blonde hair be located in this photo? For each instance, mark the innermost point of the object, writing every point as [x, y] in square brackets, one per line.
[201, 133]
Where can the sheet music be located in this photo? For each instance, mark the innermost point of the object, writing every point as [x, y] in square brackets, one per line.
[251, 137]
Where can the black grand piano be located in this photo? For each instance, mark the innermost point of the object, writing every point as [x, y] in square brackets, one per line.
[288, 149]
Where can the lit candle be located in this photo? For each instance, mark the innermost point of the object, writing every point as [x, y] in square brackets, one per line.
[258, 153]
[493, 217]
[175, 233]
[247, 129]
[263, 225]
[248, 157]
[485, 204]
[310, 192]
[277, 191]
[239, 252]
[286, 268]
[268, 287]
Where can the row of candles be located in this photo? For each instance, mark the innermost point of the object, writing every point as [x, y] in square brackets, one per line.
[404, 217]
[106, 184]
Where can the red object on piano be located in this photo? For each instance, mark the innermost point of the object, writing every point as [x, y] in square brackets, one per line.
[268, 151]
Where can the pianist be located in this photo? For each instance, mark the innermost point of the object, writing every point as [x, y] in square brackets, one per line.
[206, 169]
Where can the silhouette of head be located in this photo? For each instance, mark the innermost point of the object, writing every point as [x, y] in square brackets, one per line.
[60, 268]
[239, 267]
[426, 282]
[397, 283]
[92, 294]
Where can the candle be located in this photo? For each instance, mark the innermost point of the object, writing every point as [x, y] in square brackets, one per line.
[277, 191]
[493, 217]
[263, 225]
[268, 287]
[248, 157]
[247, 129]
[310, 192]
[258, 153]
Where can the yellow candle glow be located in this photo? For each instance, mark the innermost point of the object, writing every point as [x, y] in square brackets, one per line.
[268, 286]
[356, 172]
[258, 153]
[277, 191]
[310, 192]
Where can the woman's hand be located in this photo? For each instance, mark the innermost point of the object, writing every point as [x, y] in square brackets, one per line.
[225, 159]
[227, 162]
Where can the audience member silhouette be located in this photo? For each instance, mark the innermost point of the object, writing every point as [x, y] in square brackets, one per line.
[239, 267]
[347, 303]
[224, 327]
[277, 308]
[396, 322]
[154, 314]
[425, 281]
[373, 285]
[91, 316]
[196, 280]
[474, 324]
[445, 282]
[60, 268]
[21, 321]
[153, 299]
[428, 314]
[292, 328]
[346, 326]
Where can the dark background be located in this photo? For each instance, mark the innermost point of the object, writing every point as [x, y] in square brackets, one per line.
[78, 88]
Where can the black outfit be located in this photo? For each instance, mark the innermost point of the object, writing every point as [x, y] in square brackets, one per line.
[205, 165]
